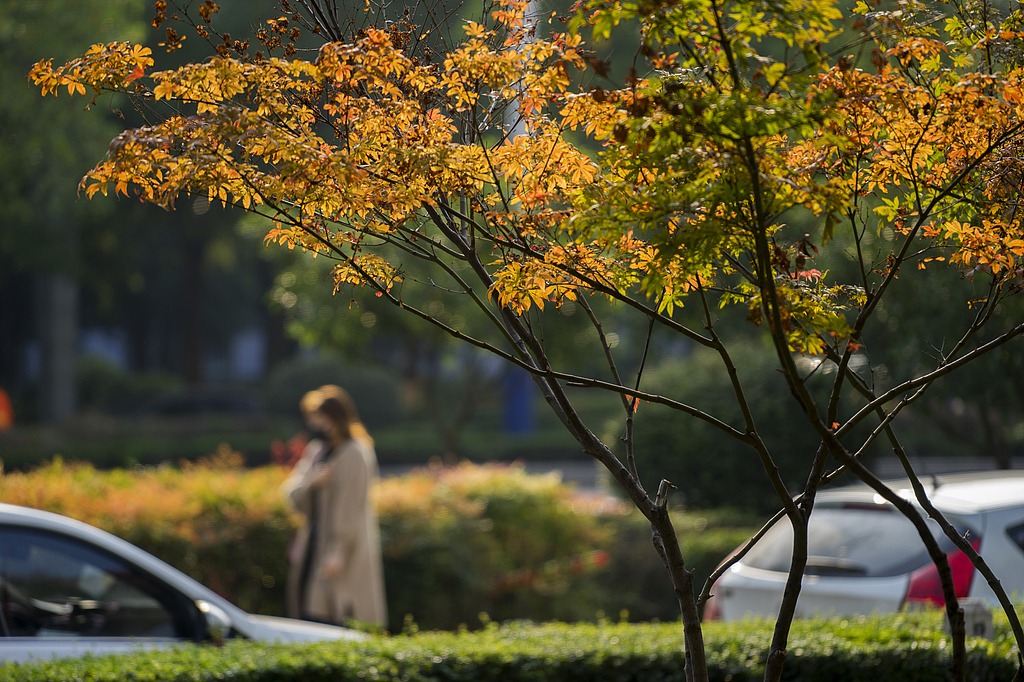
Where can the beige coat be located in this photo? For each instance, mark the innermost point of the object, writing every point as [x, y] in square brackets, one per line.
[346, 529]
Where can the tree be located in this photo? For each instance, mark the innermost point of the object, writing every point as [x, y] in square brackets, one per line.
[69, 266]
[368, 330]
[443, 379]
[46, 231]
[978, 414]
[750, 119]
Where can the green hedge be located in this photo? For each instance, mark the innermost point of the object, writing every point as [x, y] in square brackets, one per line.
[882, 650]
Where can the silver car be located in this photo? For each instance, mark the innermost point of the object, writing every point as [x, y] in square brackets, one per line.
[68, 588]
[865, 557]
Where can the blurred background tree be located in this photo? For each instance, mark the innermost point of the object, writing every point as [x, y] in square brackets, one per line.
[51, 244]
[188, 312]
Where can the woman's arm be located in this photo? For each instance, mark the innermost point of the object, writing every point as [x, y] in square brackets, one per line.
[300, 483]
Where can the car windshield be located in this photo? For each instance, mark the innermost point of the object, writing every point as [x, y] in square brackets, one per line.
[54, 586]
[870, 540]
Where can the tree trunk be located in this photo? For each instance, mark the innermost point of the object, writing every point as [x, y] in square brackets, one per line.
[192, 340]
[57, 320]
[667, 544]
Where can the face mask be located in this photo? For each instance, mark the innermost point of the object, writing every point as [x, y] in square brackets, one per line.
[317, 434]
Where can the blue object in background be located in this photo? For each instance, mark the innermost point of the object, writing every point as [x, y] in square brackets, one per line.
[519, 397]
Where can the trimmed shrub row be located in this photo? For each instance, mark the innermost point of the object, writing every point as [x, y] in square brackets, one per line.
[899, 649]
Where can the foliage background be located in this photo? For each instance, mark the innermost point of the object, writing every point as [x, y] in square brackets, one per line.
[710, 471]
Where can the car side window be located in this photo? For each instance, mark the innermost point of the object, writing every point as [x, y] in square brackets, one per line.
[57, 586]
[1016, 534]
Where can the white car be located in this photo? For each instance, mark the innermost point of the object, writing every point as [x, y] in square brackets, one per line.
[865, 557]
[68, 588]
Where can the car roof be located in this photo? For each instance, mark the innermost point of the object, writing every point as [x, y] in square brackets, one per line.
[55, 521]
[977, 491]
[40, 518]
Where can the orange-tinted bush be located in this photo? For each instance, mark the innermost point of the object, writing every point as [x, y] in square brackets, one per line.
[469, 540]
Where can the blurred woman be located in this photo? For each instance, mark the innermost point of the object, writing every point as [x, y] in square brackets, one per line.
[336, 571]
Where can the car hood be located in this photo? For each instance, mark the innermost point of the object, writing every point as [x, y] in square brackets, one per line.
[291, 630]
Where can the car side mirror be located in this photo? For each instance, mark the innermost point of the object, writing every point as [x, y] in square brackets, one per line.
[218, 622]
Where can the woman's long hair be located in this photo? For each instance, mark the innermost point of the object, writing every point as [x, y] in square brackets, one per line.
[337, 405]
